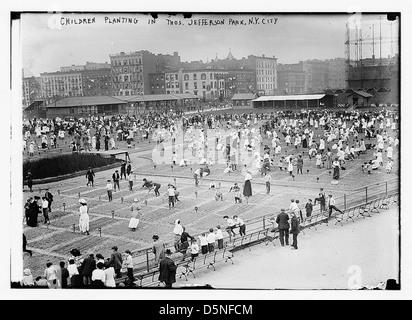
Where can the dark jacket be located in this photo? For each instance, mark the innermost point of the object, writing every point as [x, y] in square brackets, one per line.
[88, 265]
[282, 221]
[116, 260]
[167, 270]
[49, 197]
[90, 174]
[294, 225]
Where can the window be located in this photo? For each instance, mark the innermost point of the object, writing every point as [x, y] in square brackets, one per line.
[211, 76]
[194, 76]
[186, 86]
[176, 76]
[195, 85]
[186, 77]
[203, 76]
[203, 85]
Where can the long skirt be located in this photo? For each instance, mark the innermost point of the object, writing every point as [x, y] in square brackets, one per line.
[133, 223]
[32, 220]
[84, 223]
[247, 189]
[304, 143]
[336, 173]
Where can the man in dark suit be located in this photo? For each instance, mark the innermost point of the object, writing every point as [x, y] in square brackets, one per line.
[116, 261]
[283, 225]
[167, 270]
[116, 178]
[88, 265]
[123, 170]
[294, 230]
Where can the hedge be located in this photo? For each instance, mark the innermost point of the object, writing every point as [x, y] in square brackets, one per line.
[64, 164]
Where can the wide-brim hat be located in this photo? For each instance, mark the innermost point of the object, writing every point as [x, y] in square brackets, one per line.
[168, 251]
[155, 237]
[136, 200]
[82, 201]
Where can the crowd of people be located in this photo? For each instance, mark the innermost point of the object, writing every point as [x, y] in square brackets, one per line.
[333, 139]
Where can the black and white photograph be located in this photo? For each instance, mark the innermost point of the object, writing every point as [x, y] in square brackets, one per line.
[154, 152]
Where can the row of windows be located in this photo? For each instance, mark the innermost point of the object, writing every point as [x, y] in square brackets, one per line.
[127, 85]
[59, 87]
[128, 77]
[269, 86]
[157, 86]
[204, 85]
[265, 64]
[203, 76]
[172, 85]
[265, 79]
[133, 69]
[172, 77]
[126, 62]
[267, 72]
[65, 79]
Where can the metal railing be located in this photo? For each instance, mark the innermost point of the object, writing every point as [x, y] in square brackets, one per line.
[144, 258]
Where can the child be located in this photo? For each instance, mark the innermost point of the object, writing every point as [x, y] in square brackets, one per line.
[219, 237]
[109, 188]
[299, 210]
[218, 195]
[309, 208]
[212, 184]
[203, 243]
[318, 160]
[389, 166]
[280, 163]
[367, 166]
[211, 238]
[194, 249]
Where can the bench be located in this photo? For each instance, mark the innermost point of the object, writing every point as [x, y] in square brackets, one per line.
[385, 203]
[339, 216]
[314, 220]
[350, 214]
[364, 209]
[205, 261]
[375, 205]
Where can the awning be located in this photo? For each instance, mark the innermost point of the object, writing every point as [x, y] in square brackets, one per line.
[362, 94]
[152, 97]
[299, 97]
[243, 96]
[84, 101]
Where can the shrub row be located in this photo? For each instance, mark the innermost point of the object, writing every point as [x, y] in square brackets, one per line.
[64, 164]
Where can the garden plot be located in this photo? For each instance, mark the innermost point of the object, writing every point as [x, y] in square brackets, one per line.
[34, 233]
[159, 215]
[84, 243]
[57, 238]
[66, 221]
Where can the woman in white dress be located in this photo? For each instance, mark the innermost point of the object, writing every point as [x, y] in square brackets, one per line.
[135, 217]
[109, 275]
[84, 217]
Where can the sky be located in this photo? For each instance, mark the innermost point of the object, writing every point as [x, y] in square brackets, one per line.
[48, 41]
